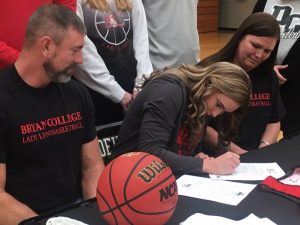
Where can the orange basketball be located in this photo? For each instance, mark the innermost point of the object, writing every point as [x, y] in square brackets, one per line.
[137, 188]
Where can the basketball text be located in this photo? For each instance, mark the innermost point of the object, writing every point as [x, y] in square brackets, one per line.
[151, 171]
[168, 192]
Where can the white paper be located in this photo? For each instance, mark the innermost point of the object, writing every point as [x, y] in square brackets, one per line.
[217, 220]
[226, 192]
[294, 179]
[252, 171]
[61, 220]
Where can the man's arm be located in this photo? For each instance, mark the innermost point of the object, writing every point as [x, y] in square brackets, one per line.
[92, 166]
[270, 135]
[11, 210]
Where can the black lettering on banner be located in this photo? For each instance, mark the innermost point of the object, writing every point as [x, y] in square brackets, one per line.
[106, 145]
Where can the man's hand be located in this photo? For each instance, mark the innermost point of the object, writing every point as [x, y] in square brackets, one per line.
[277, 69]
[224, 164]
[126, 100]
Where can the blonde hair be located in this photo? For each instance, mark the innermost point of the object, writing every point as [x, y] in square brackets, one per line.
[223, 77]
[102, 5]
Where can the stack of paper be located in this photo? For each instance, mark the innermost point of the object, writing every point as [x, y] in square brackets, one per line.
[61, 220]
[253, 171]
[226, 192]
[217, 220]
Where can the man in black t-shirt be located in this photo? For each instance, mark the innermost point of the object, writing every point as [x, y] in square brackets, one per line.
[49, 153]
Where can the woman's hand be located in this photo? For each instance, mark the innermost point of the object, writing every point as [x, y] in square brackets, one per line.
[201, 155]
[224, 164]
[277, 69]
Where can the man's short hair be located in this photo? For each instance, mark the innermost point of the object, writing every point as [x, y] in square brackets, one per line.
[52, 20]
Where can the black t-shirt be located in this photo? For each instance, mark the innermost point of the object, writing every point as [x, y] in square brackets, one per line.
[265, 107]
[152, 125]
[41, 134]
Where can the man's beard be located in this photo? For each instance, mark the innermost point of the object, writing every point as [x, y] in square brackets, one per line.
[56, 76]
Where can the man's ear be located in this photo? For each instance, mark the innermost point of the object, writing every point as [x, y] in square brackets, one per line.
[46, 44]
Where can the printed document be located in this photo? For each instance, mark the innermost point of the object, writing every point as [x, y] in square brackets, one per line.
[231, 193]
[218, 220]
[252, 171]
[293, 179]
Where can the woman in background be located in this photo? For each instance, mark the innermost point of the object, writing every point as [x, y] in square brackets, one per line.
[287, 13]
[115, 54]
[253, 47]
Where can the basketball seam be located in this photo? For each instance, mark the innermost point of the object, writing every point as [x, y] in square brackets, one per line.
[145, 192]
[114, 197]
[116, 202]
[128, 202]
[112, 212]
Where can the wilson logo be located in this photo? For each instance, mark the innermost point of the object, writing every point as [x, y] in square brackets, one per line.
[148, 173]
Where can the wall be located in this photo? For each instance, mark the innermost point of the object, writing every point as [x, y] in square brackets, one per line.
[233, 12]
[208, 14]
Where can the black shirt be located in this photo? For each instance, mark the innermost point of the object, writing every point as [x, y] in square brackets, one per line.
[152, 125]
[41, 134]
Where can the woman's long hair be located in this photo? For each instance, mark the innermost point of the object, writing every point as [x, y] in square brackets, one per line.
[222, 77]
[102, 5]
[257, 24]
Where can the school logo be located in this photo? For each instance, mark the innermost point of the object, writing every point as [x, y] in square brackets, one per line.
[52, 126]
[260, 100]
[113, 27]
[289, 21]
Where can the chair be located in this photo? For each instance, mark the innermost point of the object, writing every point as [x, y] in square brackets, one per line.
[107, 135]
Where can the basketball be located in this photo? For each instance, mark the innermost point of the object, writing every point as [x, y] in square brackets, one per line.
[137, 188]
